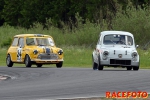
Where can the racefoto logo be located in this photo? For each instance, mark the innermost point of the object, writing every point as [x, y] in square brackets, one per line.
[128, 94]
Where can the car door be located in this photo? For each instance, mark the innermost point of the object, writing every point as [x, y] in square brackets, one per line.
[20, 50]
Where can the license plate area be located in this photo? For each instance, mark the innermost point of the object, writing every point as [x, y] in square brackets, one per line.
[48, 56]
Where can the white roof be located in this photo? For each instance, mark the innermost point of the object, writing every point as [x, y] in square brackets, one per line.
[116, 32]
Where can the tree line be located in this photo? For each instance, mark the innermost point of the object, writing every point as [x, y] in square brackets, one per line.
[24, 13]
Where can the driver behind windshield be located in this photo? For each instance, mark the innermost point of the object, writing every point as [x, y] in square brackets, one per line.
[42, 41]
[121, 40]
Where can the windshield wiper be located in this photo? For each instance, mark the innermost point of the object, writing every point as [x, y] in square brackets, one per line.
[41, 45]
[113, 42]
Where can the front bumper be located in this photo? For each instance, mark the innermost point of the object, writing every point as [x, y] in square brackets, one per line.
[119, 62]
[51, 61]
[50, 58]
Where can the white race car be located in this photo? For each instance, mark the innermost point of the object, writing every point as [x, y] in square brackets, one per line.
[116, 49]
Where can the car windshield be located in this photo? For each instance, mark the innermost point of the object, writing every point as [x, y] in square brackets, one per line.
[40, 41]
[116, 39]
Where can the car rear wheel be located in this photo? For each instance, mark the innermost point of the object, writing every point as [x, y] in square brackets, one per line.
[129, 68]
[94, 65]
[136, 68]
[28, 62]
[8, 61]
[39, 65]
[59, 65]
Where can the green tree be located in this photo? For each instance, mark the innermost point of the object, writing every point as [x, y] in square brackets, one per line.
[1, 10]
[25, 13]
[11, 12]
[36, 11]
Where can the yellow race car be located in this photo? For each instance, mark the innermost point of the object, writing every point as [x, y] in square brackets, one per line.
[35, 49]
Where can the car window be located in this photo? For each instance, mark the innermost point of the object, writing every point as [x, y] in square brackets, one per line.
[42, 41]
[30, 41]
[129, 40]
[114, 39]
[21, 42]
[51, 42]
[15, 41]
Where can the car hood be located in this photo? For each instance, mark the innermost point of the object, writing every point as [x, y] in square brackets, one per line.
[42, 49]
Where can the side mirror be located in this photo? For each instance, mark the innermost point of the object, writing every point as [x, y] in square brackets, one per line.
[137, 46]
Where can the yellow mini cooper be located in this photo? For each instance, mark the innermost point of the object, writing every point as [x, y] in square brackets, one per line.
[35, 49]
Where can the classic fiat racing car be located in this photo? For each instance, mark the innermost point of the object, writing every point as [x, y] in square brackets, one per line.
[35, 49]
[115, 49]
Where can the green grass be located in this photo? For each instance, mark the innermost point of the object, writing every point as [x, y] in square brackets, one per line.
[81, 56]
[75, 56]
[144, 58]
[3, 57]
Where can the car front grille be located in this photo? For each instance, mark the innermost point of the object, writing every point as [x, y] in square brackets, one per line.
[120, 62]
[48, 56]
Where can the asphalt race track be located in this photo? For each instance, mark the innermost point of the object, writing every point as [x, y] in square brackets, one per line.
[58, 83]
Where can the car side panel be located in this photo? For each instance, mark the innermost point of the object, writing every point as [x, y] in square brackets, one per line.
[13, 53]
[95, 56]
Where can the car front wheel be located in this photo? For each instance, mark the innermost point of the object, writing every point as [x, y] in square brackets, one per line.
[59, 65]
[129, 68]
[39, 65]
[136, 68]
[28, 62]
[8, 61]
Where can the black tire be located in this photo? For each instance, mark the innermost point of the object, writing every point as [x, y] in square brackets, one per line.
[94, 65]
[9, 63]
[100, 67]
[59, 65]
[129, 68]
[136, 68]
[27, 61]
[39, 65]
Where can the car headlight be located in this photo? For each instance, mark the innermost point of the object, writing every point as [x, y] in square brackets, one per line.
[35, 52]
[105, 55]
[60, 52]
[134, 54]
